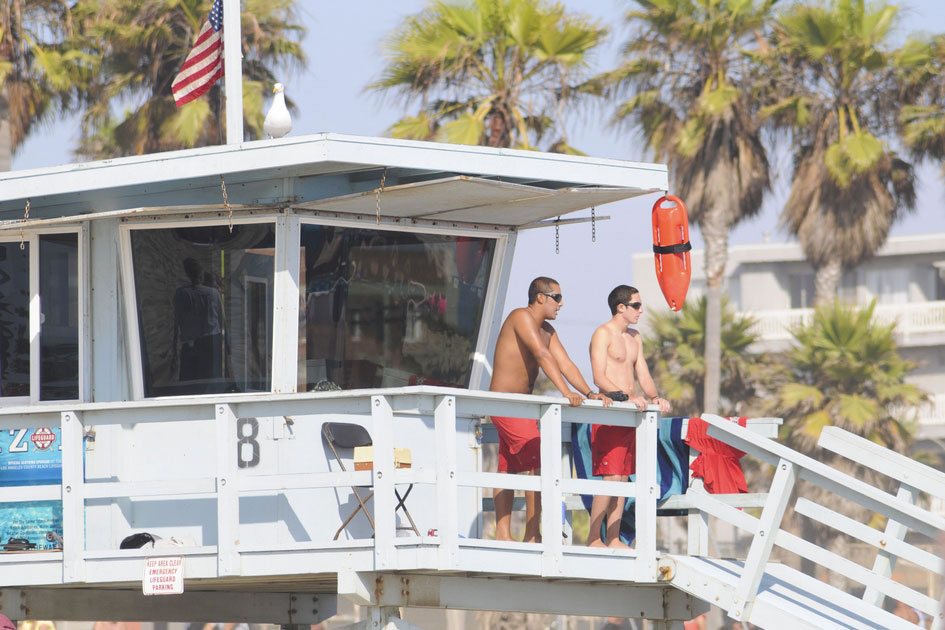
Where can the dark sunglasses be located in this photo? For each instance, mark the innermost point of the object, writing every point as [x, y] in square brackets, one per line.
[554, 296]
[634, 305]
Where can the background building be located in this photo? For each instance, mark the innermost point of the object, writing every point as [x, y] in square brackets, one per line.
[774, 283]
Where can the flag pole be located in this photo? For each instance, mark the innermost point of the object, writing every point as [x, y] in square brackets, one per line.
[233, 71]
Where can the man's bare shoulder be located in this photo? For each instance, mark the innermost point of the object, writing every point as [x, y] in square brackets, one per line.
[521, 319]
[519, 316]
[603, 331]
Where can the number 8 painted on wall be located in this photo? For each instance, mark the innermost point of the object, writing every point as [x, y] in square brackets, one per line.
[247, 439]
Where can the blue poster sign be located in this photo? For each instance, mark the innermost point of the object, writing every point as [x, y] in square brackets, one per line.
[30, 457]
[37, 522]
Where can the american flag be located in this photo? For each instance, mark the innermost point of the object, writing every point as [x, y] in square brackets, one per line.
[204, 64]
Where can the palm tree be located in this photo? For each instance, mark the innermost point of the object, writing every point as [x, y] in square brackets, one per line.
[844, 370]
[691, 95]
[492, 72]
[832, 66]
[921, 65]
[675, 350]
[39, 78]
[142, 45]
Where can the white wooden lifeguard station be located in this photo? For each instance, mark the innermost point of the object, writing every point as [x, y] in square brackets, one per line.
[178, 328]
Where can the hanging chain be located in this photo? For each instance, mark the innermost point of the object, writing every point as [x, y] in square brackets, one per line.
[26, 217]
[558, 235]
[593, 225]
[377, 194]
[226, 204]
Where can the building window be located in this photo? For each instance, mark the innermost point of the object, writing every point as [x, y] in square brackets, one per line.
[49, 265]
[939, 270]
[389, 308]
[204, 297]
[888, 286]
[802, 290]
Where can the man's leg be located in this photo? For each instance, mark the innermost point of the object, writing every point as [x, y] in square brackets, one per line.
[503, 513]
[599, 508]
[615, 517]
[532, 513]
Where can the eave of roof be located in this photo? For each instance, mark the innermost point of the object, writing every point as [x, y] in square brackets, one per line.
[303, 156]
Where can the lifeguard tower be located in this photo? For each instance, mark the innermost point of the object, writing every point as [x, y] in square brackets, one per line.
[179, 329]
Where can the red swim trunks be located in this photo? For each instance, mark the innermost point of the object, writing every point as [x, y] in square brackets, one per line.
[519, 444]
[613, 450]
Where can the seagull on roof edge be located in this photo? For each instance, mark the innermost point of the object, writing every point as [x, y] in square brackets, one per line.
[278, 122]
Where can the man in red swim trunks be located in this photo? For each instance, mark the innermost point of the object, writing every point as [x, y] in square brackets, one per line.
[616, 357]
[526, 342]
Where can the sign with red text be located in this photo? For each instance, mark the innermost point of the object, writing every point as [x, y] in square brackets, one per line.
[163, 576]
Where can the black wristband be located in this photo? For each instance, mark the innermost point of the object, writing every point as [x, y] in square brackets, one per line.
[588, 394]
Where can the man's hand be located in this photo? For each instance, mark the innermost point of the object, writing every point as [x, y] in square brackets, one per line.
[639, 401]
[600, 396]
[574, 399]
[663, 404]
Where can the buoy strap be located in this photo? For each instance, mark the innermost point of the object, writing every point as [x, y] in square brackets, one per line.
[679, 248]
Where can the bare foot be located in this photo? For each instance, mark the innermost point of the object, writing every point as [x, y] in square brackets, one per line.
[597, 543]
[618, 544]
[532, 539]
[507, 537]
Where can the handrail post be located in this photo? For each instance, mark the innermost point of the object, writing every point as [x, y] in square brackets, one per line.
[885, 562]
[550, 427]
[444, 418]
[385, 521]
[697, 523]
[647, 488]
[228, 506]
[760, 551]
[73, 498]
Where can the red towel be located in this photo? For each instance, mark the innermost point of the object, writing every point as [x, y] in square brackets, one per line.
[718, 463]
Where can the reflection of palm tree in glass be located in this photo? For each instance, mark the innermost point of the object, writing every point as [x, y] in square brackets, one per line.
[198, 327]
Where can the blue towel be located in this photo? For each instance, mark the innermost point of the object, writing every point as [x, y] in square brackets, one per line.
[672, 456]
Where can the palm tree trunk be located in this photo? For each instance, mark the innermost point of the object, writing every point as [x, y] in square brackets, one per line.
[6, 137]
[826, 280]
[715, 233]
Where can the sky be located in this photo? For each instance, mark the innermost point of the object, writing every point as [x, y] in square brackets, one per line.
[343, 45]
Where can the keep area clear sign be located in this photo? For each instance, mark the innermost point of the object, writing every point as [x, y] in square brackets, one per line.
[163, 576]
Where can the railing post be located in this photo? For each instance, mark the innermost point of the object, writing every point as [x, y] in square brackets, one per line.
[760, 551]
[385, 521]
[444, 418]
[885, 561]
[73, 498]
[228, 508]
[647, 496]
[698, 524]
[550, 426]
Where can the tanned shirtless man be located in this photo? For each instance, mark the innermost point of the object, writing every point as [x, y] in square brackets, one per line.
[616, 359]
[526, 342]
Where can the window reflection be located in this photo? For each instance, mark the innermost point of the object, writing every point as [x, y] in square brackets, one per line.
[14, 319]
[386, 309]
[59, 297]
[204, 295]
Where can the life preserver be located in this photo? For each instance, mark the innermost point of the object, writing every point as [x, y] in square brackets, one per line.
[671, 249]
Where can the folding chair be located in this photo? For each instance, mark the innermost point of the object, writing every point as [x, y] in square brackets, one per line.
[354, 436]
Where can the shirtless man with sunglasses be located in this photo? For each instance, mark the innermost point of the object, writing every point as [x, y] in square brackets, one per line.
[617, 360]
[526, 342]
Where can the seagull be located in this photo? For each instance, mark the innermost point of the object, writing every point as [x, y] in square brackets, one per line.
[278, 122]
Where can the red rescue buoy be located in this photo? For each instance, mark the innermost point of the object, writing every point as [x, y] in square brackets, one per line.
[671, 249]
